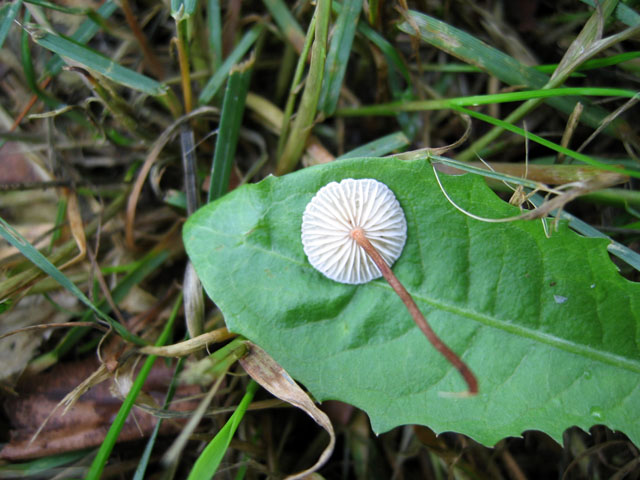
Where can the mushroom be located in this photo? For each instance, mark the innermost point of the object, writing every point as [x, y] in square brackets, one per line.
[339, 208]
[353, 232]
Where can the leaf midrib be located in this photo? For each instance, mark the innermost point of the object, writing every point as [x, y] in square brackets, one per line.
[514, 329]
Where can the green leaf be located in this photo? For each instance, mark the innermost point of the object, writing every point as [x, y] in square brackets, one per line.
[548, 325]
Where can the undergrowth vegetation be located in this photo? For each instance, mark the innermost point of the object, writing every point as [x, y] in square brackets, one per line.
[155, 298]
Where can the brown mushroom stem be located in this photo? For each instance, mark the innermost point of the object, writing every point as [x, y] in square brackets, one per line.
[359, 236]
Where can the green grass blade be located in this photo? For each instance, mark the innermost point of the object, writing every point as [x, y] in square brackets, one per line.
[39, 467]
[215, 32]
[60, 8]
[8, 14]
[99, 462]
[183, 8]
[285, 73]
[617, 197]
[603, 62]
[39, 260]
[467, 167]
[93, 60]
[475, 100]
[83, 34]
[374, 10]
[216, 369]
[286, 22]
[546, 93]
[27, 67]
[61, 214]
[553, 146]
[146, 454]
[379, 147]
[20, 280]
[143, 267]
[338, 56]
[230, 121]
[400, 82]
[296, 82]
[27, 64]
[303, 122]
[208, 462]
[218, 78]
[623, 12]
[473, 51]
[391, 54]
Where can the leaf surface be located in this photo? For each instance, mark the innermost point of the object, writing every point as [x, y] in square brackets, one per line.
[547, 324]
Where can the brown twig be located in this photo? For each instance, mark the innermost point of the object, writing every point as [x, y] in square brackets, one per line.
[30, 104]
[150, 58]
[359, 236]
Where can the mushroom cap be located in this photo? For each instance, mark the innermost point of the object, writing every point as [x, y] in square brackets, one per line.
[339, 208]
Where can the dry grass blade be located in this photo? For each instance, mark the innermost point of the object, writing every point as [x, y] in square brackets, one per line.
[190, 346]
[272, 377]
[15, 239]
[22, 279]
[572, 123]
[55, 325]
[428, 151]
[555, 174]
[566, 193]
[77, 228]
[151, 158]
[193, 302]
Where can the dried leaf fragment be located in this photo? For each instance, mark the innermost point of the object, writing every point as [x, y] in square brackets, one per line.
[273, 378]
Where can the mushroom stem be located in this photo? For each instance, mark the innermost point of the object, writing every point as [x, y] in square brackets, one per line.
[472, 383]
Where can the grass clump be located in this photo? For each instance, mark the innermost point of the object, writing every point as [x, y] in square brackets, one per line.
[119, 119]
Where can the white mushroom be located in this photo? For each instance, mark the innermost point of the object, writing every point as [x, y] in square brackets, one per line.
[333, 214]
[352, 232]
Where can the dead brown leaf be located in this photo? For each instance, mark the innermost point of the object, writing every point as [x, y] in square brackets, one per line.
[86, 424]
